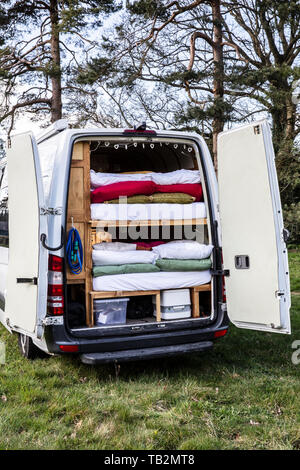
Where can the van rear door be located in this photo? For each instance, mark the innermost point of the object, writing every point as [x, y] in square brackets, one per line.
[26, 297]
[254, 250]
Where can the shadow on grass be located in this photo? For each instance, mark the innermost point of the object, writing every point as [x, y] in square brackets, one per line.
[244, 351]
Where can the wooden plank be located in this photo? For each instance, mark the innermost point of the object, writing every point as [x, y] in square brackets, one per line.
[113, 294]
[78, 151]
[202, 287]
[195, 298]
[76, 206]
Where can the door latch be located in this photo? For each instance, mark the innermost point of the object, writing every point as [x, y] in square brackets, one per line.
[220, 272]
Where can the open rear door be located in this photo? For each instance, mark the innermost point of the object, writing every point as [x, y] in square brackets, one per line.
[26, 297]
[254, 250]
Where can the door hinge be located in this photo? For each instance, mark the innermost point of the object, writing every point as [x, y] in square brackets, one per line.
[280, 293]
[51, 211]
[256, 129]
[220, 272]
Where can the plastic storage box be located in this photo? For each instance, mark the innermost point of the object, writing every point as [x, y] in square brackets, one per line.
[110, 311]
[175, 304]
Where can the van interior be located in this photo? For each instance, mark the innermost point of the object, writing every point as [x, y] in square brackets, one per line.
[129, 156]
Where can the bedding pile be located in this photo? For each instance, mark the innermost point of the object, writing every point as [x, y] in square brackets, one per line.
[141, 190]
[145, 266]
[150, 266]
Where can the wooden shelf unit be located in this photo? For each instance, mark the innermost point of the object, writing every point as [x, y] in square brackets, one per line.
[79, 212]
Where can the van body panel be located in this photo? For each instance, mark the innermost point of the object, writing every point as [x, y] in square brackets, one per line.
[254, 252]
[26, 298]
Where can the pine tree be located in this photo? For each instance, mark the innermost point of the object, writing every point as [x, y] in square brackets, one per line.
[47, 37]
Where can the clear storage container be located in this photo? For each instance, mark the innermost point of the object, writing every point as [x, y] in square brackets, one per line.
[110, 311]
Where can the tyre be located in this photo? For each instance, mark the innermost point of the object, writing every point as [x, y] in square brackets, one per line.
[27, 348]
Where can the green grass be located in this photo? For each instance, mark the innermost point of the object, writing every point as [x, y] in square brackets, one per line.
[242, 395]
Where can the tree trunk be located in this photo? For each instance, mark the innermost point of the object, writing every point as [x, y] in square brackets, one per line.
[56, 103]
[218, 85]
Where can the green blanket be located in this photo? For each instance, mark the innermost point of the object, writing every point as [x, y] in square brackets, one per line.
[158, 198]
[124, 269]
[183, 264]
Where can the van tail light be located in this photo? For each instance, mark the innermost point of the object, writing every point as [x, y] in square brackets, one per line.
[55, 300]
[69, 347]
[220, 333]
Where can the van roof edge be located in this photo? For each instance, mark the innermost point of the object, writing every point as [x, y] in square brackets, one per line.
[55, 128]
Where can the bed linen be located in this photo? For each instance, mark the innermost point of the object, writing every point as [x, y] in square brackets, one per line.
[148, 211]
[158, 198]
[173, 177]
[194, 190]
[115, 246]
[183, 264]
[124, 269]
[125, 188]
[150, 281]
[108, 258]
[183, 249]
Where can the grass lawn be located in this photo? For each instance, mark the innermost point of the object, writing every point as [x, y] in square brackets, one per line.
[245, 394]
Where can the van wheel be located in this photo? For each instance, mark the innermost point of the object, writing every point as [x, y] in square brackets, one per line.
[27, 348]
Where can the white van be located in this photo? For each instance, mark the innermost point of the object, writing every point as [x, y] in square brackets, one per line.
[45, 190]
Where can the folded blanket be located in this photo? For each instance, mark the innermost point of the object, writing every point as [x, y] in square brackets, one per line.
[183, 249]
[124, 269]
[194, 190]
[173, 177]
[168, 198]
[126, 188]
[138, 199]
[109, 258]
[183, 264]
[115, 246]
[149, 244]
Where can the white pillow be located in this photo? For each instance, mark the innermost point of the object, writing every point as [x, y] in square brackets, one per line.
[177, 177]
[115, 246]
[111, 258]
[103, 179]
[172, 177]
[183, 249]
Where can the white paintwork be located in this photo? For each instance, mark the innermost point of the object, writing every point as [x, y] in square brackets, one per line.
[25, 304]
[251, 221]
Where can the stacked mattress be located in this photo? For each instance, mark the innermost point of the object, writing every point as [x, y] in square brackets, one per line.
[175, 195]
[127, 266]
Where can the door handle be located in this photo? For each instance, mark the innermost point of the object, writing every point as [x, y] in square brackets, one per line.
[27, 280]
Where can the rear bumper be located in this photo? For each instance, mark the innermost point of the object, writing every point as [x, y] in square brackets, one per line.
[132, 347]
[144, 354]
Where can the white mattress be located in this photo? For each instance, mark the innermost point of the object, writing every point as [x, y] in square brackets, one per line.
[196, 210]
[150, 281]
